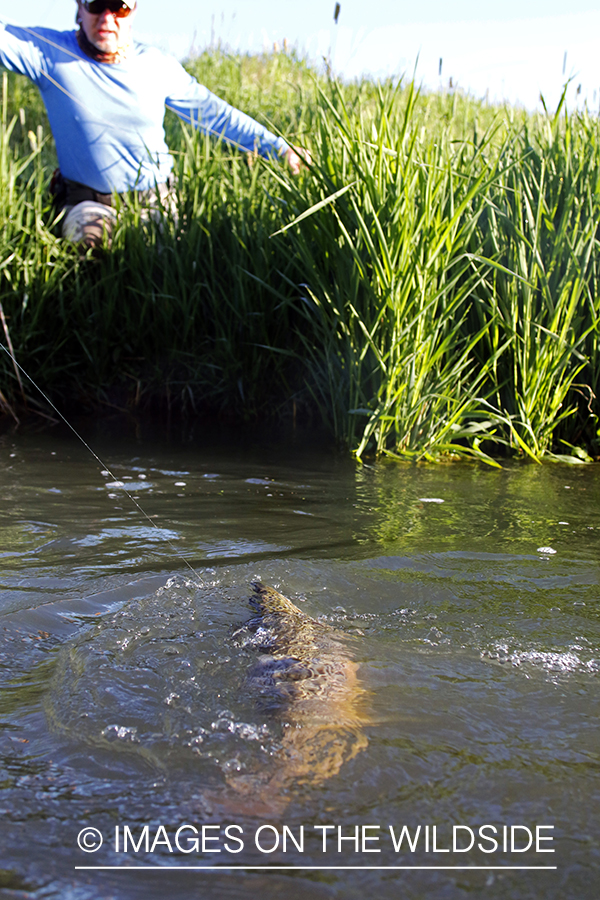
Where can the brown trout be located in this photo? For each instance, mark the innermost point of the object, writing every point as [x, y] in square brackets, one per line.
[307, 678]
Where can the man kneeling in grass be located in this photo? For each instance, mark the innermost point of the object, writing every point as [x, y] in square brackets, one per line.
[106, 95]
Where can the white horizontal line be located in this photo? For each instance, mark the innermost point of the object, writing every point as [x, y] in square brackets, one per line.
[226, 868]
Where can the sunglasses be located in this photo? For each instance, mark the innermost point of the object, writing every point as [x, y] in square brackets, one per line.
[97, 7]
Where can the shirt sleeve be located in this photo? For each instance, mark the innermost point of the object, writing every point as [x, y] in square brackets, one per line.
[20, 52]
[195, 104]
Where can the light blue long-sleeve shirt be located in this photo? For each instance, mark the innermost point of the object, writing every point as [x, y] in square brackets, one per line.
[107, 119]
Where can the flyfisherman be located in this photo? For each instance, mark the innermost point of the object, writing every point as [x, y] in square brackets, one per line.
[105, 95]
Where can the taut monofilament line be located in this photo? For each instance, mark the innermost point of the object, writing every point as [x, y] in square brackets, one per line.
[130, 497]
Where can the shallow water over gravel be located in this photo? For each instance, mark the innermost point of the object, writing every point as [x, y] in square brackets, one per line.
[468, 598]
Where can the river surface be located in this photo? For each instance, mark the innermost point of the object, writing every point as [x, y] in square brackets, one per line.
[463, 600]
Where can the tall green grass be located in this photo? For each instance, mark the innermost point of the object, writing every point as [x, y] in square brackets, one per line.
[428, 286]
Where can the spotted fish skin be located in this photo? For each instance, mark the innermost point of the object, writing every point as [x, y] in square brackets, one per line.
[306, 677]
[305, 666]
[266, 600]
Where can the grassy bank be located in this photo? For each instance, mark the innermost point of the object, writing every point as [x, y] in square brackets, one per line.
[440, 297]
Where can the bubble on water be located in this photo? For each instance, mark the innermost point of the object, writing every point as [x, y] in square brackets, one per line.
[122, 733]
[434, 635]
[553, 661]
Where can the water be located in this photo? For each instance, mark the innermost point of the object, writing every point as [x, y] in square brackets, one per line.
[126, 697]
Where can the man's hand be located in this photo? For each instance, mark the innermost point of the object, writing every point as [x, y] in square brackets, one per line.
[295, 157]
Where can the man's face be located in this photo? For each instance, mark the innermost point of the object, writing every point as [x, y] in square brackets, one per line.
[105, 31]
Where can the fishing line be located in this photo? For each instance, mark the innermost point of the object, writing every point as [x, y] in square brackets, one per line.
[191, 119]
[105, 467]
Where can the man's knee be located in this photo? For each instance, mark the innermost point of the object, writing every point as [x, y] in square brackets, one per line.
[88, 222]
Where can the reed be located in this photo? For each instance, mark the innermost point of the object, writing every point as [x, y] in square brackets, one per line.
[428, 287]
[391, 279]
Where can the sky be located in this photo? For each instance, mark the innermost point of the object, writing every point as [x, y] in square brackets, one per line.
[512, 51]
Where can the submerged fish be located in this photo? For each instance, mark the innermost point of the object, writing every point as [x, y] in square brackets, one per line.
[306, 677]
[143, 682]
